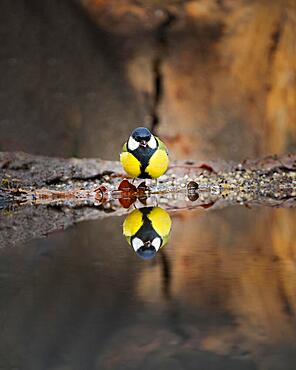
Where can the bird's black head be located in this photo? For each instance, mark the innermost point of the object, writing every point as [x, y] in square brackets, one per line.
[146, 252]
[142, 141]
[141, 134]
[146, 242]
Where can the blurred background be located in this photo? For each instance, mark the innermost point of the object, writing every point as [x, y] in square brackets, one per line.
[215, 79]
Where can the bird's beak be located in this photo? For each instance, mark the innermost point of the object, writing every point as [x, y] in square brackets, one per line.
[143, 143]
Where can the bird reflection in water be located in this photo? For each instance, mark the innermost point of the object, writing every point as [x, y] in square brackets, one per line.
[147, 230]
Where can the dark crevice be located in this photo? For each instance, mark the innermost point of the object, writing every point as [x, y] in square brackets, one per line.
[158, 89]
[275, 39]
[166, 275]
[97, 176]
[173, 312]
[161, 40]
[55, 181]
[76, 178]
[288, 310]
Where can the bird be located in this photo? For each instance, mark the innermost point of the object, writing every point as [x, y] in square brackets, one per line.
[144, 155]
[147, 230]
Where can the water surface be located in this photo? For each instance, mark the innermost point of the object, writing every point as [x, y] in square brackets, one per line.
[219, 295]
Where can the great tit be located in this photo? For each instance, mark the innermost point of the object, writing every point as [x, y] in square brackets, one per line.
[147, 230]
[144, 155]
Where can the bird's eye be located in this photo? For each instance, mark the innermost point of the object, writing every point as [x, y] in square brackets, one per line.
[152, 142]
[132, 144]
[137, 244]
[156, 242]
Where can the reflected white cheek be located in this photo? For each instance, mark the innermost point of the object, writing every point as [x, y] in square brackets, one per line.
[152, 142]
[137, 244]
[132, 144]
[156, 243]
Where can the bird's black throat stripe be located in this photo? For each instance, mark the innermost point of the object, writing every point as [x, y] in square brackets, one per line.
[143, 155]
[146, 231]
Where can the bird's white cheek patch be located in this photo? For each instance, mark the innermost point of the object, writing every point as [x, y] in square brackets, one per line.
[152, 142]
[137, 244]
[132, 144]
[156, 243]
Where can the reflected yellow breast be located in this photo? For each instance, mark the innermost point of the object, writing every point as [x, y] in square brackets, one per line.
[132, 223]
[161, 221]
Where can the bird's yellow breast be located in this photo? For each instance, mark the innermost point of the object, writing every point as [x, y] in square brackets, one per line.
[132, 223]
[158, 164]
[130, 164]
[160, 221]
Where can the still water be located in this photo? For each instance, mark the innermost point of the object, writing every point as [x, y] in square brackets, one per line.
[221, 294]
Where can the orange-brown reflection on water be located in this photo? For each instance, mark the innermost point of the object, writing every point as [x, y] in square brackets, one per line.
[220, 295]
[234, 263]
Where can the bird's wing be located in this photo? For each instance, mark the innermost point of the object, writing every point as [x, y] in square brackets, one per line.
[161, 145]
[124, 148]
[165, 239]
